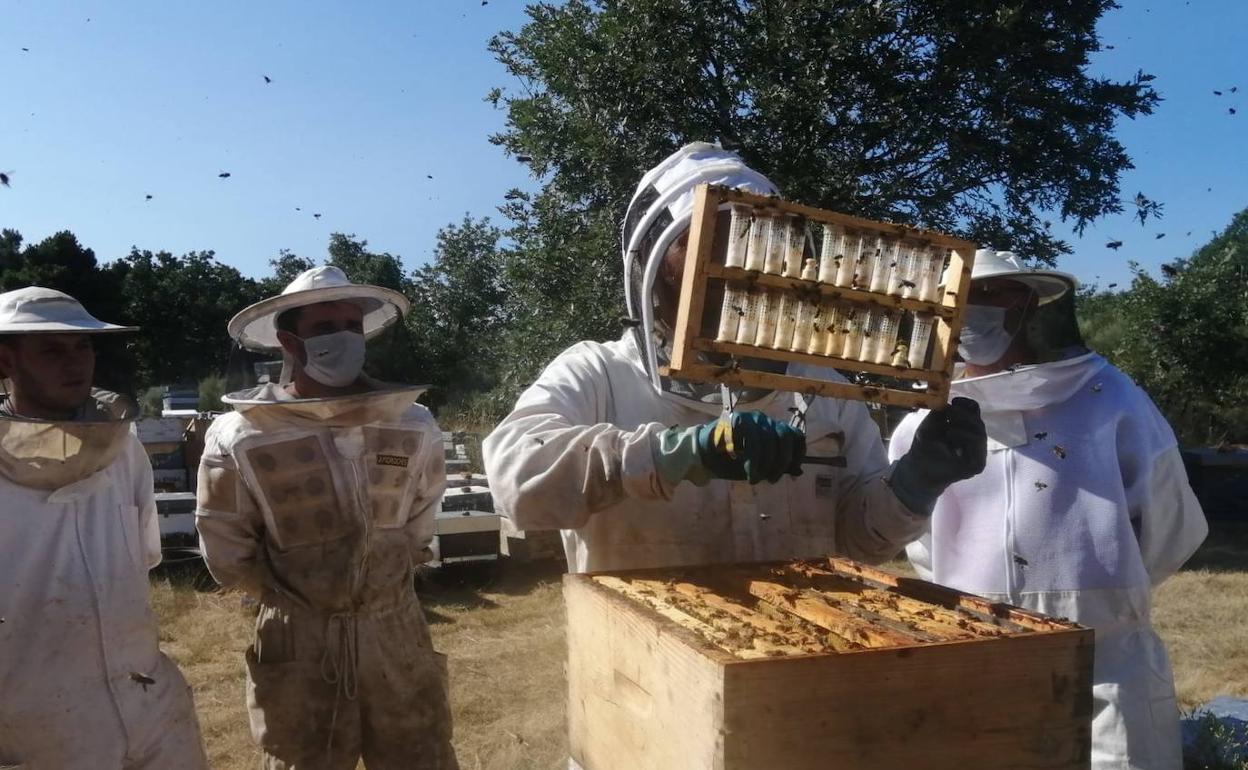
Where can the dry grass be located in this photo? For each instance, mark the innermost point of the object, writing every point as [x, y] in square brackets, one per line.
[1202, 614]
[503, 630]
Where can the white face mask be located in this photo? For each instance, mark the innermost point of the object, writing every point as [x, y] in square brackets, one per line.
[984, 339]
[334, 359]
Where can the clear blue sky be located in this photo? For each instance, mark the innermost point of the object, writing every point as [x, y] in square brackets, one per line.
[118, 100]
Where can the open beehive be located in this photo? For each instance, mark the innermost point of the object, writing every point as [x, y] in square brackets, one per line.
[817, 664]
[798, 284]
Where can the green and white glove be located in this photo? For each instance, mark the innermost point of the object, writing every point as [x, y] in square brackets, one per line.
[763, 450]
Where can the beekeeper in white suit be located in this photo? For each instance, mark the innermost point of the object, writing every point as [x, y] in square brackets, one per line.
[83, 683]
[1084, 506]
[317, 496]
[601, 445]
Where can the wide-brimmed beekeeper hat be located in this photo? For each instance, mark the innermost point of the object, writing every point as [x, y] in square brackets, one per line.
[255, 328]
[36, 310]
[1049, 285]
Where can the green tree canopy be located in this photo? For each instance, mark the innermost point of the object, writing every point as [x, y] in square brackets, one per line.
[1185, 338]
[970, 116]
[183, 305]
[457, 313]
[59, 262]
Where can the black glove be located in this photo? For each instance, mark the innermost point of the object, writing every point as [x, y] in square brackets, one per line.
[950, 445]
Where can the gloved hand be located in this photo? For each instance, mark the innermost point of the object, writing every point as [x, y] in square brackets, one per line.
[764, 449]
[950, 445]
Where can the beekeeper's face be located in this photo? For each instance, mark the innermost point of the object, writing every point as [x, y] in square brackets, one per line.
[672, 270]
[318, 320]
[52, 373]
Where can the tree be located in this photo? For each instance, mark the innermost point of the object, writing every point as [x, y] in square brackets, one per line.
[58, 262]
[286, 268]
[969, 116]
[390, 356]
[183, 305]
[364, 266]
[458, 311]
[1185, 338]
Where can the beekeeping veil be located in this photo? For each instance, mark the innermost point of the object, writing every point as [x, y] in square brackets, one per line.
[50, 454]
[255, 327]
[658, 214]
[1051, 327]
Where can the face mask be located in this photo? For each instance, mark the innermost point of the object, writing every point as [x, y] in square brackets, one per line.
[984, 339]
[334, 359]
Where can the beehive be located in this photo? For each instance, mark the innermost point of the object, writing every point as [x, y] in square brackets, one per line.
[817, 664]
[786, 282]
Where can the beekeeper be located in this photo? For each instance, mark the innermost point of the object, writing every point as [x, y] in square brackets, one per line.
[317, 496]
[1084, 506]
[601, 444]
[83, 684]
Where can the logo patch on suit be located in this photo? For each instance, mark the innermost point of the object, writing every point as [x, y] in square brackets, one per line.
[823, 486]
[398, 461]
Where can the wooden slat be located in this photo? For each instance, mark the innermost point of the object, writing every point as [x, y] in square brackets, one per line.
[769, 203]
[953, 295]
[726, 641]
[809, 605]
[832, 362]
[934, 593]
[745, 378]
[939, 621]
[828, 291]
[764, 635]
[693, 282]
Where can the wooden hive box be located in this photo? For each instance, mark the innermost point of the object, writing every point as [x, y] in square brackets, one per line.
[817, 664]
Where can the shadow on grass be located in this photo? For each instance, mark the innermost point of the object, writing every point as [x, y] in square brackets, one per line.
[464, 586]
[184, 570]
[1225, 550]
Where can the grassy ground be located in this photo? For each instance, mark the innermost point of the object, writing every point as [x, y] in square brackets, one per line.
[503, 630]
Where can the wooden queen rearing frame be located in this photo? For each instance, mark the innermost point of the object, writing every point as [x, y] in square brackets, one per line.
[842, 311]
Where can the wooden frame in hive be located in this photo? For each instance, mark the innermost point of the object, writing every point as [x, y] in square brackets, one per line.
[817, 664]
[702, 267]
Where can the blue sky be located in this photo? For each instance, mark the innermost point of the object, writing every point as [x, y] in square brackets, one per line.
[118, 100]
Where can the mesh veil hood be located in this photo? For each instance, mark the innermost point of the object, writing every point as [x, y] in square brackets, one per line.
[50, 454]
[659, 212]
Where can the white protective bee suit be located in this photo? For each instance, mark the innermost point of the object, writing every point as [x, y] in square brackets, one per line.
[321, 508]
[577, 452]
[83, 683]
[1084, 506]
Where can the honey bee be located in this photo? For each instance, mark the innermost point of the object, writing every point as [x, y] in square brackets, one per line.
[143, 679]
